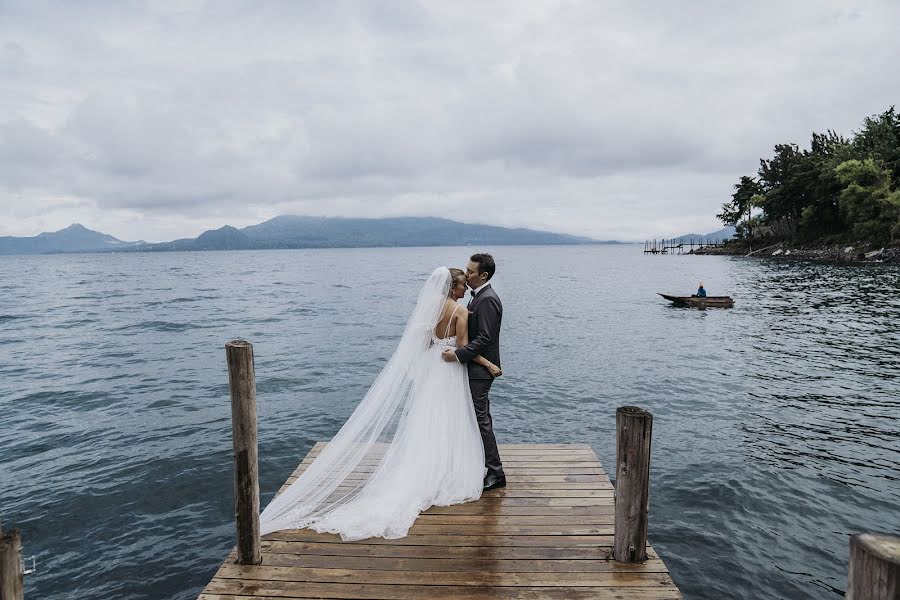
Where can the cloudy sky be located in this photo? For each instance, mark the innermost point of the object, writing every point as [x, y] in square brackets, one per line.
[620, 120]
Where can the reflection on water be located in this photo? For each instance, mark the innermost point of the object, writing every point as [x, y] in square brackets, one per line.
[776, 433]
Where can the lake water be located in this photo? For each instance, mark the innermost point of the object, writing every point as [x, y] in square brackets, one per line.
[776, 423]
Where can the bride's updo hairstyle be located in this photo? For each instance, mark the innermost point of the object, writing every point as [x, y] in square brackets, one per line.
[455, 276]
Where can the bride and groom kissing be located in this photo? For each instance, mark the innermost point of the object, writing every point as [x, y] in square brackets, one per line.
[422, 435]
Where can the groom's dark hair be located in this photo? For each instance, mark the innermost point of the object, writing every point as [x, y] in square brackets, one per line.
[485, 264]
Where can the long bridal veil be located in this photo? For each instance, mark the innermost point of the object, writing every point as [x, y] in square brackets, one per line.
[363, 446]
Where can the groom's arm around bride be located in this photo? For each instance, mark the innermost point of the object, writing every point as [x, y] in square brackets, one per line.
[485, 317]
[485, 336]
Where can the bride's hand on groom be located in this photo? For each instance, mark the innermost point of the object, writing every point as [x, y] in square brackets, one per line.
[495, 371]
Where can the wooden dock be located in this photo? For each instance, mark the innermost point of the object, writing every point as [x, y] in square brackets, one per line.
[548, 534]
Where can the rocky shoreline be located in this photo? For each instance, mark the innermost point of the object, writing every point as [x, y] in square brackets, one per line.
[861, 253]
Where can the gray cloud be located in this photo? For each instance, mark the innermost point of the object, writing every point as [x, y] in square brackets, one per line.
[605, 119]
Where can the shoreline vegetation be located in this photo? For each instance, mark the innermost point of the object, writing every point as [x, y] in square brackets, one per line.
[786, 250]
[838, 200]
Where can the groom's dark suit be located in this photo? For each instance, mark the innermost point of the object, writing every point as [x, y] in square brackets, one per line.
[485, 315]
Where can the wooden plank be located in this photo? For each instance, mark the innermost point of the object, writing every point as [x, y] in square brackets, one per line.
[451, 539]
[426, 528]
[488, 502]
[536, 492]
[503, 510]
[549, 492]
[509, 454]
[232, 578]
[381, 446]
[458, 565]
[534, 456]
[530, 467]
[318, 446]
[513, 485]
[517, 447]
[494, 520]
[410, 592]
[509, 467]
[526, 465]
[552, 478]
[586, 554]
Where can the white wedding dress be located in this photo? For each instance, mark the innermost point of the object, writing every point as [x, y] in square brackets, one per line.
[413, 442]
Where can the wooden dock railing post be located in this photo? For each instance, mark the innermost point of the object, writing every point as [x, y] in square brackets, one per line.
[11, 575]
[633, 431]
[874, 572]
[242, 380]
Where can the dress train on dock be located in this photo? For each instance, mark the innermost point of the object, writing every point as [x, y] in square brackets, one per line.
[413, 442]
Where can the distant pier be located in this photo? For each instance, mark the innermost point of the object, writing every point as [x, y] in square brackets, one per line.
[678, 246]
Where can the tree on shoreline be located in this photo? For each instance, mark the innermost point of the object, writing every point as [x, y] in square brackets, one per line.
[868, 201]
[746, 196]
[839, 189]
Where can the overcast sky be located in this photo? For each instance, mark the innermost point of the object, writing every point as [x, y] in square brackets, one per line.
[616, 120]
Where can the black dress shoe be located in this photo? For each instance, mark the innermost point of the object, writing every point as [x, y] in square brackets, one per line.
[492, 482]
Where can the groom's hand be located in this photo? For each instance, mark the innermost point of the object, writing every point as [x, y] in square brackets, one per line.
[449, 355]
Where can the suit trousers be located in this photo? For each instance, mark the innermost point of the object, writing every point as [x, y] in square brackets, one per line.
[480, 389]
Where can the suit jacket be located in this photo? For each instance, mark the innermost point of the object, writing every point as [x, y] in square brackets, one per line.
[485, 315]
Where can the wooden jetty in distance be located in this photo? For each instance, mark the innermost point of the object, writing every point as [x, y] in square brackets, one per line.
[665, 246]
[548, 534]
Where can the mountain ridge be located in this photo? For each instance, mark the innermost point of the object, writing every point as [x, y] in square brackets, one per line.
[726, 233]
[296, 231]
[74, 238]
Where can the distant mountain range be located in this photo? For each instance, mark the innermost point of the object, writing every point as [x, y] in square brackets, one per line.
[726, 233]
[74, 238]
[300, 232]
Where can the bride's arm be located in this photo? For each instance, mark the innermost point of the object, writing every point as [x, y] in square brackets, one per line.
[462, 339]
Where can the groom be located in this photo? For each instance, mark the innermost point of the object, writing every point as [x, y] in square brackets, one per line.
[485, 314]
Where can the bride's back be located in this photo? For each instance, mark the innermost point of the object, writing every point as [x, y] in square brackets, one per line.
[444, 327]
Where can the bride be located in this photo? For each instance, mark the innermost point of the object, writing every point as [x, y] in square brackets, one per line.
[413, 441]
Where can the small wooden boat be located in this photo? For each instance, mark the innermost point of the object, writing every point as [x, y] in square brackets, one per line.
[697, 301]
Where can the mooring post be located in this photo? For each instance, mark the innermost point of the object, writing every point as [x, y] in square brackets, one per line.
[633, 431]
[874, 567]
[242, 380]
[11, 575]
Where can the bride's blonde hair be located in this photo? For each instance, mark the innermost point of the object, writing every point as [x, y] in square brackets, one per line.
[455, 276]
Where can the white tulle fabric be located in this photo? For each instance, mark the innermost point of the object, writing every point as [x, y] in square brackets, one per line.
[413, 442]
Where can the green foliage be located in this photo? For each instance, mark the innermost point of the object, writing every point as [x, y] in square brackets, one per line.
[786, 179]
[893, 200]
[867, 201]
[745, 198]
[745, 228]
[839, 188]
[879, 139]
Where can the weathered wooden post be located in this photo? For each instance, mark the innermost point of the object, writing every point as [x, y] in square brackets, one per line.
[874, 567]
[11, 575]
[242, 379]
[633, 430]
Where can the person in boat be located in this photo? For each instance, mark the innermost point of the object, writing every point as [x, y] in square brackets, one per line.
[701, 291]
